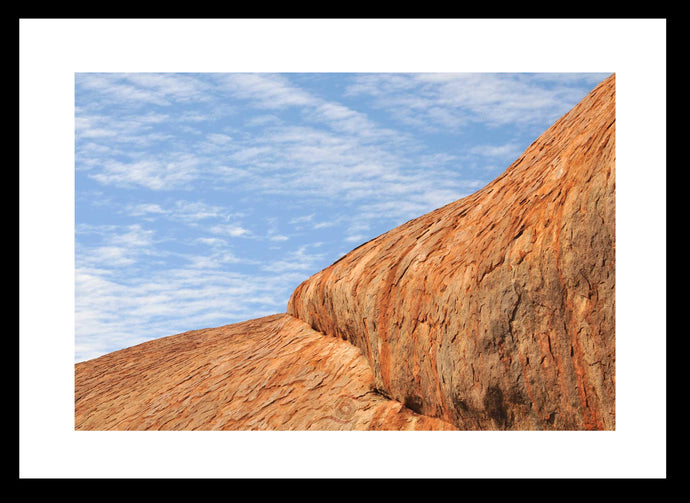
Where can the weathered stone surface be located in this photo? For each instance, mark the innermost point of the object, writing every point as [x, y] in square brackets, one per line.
[271, 373]
[495, 311]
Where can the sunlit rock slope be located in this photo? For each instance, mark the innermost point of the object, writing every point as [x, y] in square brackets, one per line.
[271, 373]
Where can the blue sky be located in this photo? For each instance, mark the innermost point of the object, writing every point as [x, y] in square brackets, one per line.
[203, 199]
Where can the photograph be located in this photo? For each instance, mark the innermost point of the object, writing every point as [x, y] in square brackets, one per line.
[232, 230]
[328, 248]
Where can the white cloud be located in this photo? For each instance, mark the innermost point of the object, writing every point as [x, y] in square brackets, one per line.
[219, 138]
[263, 120]
[356, 238]
[195, 210]
[214, 261]
[153, 173]
[113, 312]
[134, 237]
[181, 211]
[454, 100]
[118, 90]
[215, 242]
[345, 120]
[132, 130]
[175, 87]
[266, 90]
[231, 230]
[508, 151]
[250, 153]
[145, 209]
[323, 225]
[302, 219]
[298, 260]
[143, 88]
[116, 244]
[110, 256]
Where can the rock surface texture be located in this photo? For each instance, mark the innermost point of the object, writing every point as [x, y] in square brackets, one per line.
[271, 373]
[495, 312]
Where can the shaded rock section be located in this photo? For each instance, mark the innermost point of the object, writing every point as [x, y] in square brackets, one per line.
[271, 373]
[495, 311]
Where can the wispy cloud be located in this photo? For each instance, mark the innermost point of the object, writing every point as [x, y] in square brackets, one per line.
[231, 230]
[214, 242]
[153, 174]
[113, 312]
[135, 89]
[298, 260]
[302, 219]
[455, 100]
[123, 299]
[506, 152]
[266, 91]
[113, 245]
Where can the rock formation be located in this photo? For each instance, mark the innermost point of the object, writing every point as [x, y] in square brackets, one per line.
[271, 373]
[492, 312]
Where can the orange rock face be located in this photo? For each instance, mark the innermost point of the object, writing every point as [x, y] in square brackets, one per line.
[271, 373]
[495, 311]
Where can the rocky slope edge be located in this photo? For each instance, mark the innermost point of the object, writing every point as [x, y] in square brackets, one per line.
[271, 373]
